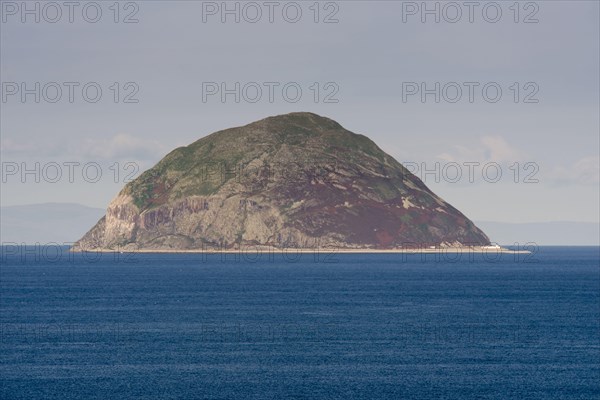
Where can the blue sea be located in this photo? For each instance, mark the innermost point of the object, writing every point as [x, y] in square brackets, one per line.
[308, 326]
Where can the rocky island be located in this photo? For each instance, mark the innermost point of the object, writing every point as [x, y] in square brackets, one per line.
[297, 180]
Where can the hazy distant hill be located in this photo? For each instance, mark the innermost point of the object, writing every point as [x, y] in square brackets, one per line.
[544, 233]
[46, 223]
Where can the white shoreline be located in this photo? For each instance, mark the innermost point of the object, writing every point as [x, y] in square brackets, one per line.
[292, 250]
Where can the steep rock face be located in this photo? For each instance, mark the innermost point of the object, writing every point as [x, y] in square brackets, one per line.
[295, 180]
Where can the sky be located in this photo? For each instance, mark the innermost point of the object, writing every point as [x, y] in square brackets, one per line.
[496, 108]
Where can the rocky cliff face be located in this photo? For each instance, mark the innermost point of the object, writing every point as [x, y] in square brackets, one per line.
[295, 180]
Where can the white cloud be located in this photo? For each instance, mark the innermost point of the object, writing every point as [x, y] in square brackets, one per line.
[9, 146]
[122, 147]
[585, 171]
[489, 149]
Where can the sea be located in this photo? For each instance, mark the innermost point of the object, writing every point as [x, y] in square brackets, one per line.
[287, 325]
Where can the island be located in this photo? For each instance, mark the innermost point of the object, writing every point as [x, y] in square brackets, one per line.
[298, 181]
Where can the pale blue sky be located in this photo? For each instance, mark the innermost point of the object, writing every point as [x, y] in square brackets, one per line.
[368, 54]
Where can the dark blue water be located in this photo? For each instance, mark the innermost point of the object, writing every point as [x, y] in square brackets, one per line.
[342, 326]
